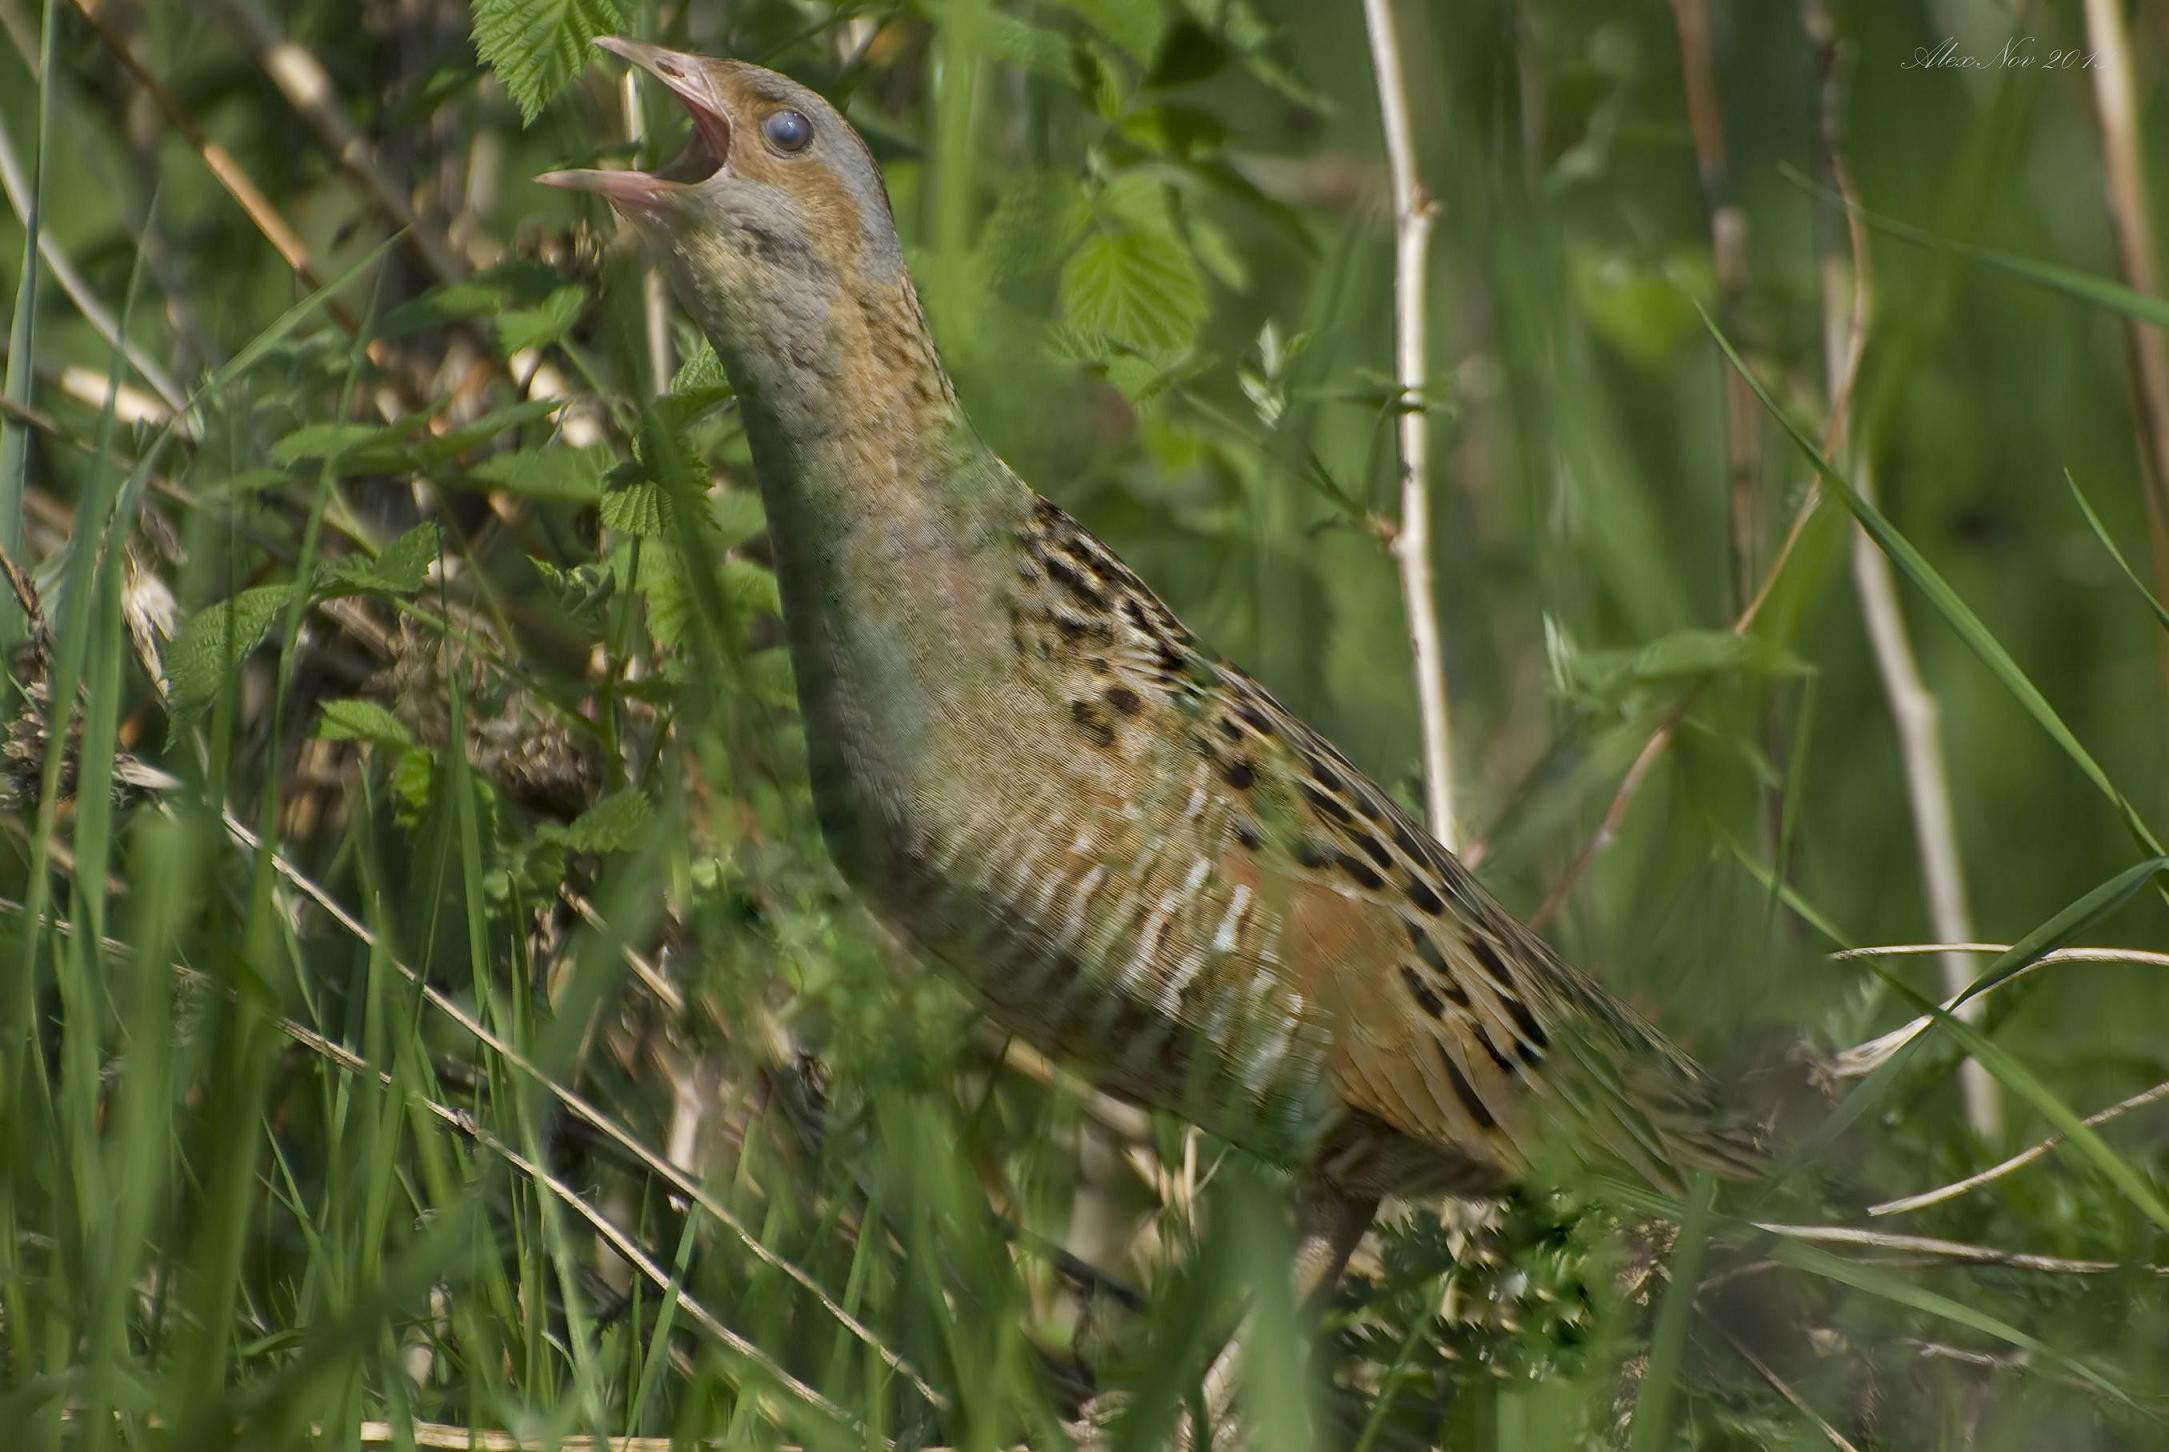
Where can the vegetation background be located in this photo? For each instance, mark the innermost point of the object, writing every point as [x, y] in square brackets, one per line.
[378, 497]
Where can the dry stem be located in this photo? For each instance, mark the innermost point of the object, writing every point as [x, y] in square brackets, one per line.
[1413, 211]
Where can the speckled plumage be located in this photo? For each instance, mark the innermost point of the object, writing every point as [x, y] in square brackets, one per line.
[1134, 855]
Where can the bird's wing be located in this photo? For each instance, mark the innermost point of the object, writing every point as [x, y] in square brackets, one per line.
[1238, 853]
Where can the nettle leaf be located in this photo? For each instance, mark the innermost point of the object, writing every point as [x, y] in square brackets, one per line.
[536, 46]
[697, 386]
[613, 824]
[558, 472]
[701, 370]
[354, 719]
[522, 328]
[398, 569]
[200, 662]
[1135, 286]
[639, 508]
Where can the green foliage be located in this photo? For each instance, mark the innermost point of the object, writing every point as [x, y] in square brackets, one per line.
[476, 639]
[537, 46]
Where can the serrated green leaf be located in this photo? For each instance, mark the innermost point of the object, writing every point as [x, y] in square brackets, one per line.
[414, 778]
[398, 569]
[700, 371]
[542, 324]
[560, 471]
[613, 824]
[536, 46]
[1136, 287]
[200, 662]
[353, 719]
[639, 508]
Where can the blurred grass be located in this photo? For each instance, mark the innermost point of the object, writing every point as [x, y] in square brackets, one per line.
[501, 676]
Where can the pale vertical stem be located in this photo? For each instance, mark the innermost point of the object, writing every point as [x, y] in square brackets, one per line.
[2116, 103]
[1914, 712]
[654, 299]
[1412, 214]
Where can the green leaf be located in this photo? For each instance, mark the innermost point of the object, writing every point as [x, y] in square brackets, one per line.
[613, 824]
[1136, 287]
[200, 663]
[543, 324]
[1132, 24]
[536, 46]
[2086, 287]
[354, 719]
[1683, 655]
[738, 515]
[324, 441]
[560, 471]
[701, 371]
[398, 569]
[639, 508]
[751, 588]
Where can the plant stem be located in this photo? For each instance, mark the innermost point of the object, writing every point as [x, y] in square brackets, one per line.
[1413, 210]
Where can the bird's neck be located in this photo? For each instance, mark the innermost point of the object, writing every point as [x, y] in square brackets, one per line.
[876, 486]
[889, 520]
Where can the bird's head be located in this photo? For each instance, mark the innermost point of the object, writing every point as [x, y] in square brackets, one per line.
[773, 222]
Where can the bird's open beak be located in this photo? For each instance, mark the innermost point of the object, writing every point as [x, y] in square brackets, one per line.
[692, 81]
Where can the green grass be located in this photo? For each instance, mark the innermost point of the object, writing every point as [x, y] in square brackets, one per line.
[337, 1082]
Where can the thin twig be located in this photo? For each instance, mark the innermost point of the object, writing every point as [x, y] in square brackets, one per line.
[1909, 1203]
[1413, 211]
[1863, 1059]
[1914, 711]
[581, 1109]
[1779, 1385]
[1948, 1250]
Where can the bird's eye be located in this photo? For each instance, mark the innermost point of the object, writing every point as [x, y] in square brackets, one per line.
[787, 130]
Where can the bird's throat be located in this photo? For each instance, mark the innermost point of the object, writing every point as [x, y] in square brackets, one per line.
[888, 518]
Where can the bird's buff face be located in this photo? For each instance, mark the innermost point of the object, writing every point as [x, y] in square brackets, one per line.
[771, 221]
